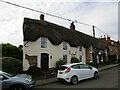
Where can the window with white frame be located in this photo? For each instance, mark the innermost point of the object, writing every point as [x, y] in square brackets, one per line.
[80, 48]
[80, 58]
[91, 58]
[65, 57]
[43, 42]
[90, 49]
[64, 45]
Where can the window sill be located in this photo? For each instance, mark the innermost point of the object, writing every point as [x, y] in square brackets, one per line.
[65, 50]
[43, 48]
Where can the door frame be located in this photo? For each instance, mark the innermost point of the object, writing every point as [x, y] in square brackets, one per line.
[44, 62]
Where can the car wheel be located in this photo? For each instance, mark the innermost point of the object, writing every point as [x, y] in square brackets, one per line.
[74, 80]
[96, 76]
[17, 87]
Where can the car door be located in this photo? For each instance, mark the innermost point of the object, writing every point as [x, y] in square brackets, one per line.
[86, 70]
[77, 71]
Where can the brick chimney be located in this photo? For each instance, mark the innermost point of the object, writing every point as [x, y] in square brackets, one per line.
[104, 39]
[108, 38]
[20, 46]
[41, 17]
[72, 27]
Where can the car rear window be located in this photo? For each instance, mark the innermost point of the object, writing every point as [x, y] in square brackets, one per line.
[62, 67]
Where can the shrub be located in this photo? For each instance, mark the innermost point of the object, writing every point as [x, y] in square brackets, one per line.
[33, 70]
[74, 60]
[112, 59]
[93, 64]
[11, 65]
[60, 62]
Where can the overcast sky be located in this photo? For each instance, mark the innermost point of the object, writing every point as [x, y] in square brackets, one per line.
[103, 14]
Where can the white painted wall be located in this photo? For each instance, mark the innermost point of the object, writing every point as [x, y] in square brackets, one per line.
[56, 51]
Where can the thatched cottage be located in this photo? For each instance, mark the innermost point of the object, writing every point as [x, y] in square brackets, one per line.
[45, 43]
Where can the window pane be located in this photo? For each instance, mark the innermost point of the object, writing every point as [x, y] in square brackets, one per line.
[80, 58]
[65, 57]
[80, 48]
[43, 42]
[64, 45]
[90, 49]
[91, 58]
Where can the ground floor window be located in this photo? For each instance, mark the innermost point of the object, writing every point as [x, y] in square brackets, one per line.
[65, 57]
[91, 58]
[80, 58]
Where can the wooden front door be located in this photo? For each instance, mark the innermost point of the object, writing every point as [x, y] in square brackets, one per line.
[44, 61]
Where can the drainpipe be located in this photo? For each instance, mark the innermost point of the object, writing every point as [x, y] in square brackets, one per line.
[96, 61]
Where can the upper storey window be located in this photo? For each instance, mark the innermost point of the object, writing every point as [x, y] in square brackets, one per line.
[90, 49]
[43, 42]
[80, 48]
[64, 45]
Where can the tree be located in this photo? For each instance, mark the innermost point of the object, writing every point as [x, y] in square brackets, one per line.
[9, 50]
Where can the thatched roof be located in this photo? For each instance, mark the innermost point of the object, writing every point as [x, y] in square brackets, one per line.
[34, 29]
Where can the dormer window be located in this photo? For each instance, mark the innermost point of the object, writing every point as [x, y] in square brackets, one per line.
[64, 45]
[80, 48]
[43, 42]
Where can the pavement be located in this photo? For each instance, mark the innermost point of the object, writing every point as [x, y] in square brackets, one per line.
[52, 80]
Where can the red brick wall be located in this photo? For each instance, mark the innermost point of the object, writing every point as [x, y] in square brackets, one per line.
[87, 55]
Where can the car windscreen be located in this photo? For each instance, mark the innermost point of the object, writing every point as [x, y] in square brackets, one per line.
[62, 67]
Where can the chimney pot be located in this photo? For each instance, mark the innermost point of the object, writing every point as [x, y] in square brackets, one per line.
[108, 38]
[41, 17]
[72, 26]
[104, 36]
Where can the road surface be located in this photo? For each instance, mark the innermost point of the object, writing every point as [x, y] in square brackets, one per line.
[108, 79]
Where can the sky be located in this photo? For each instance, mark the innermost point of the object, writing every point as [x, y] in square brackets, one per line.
[101, 13]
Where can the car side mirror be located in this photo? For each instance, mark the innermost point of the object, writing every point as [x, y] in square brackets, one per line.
[1, 77]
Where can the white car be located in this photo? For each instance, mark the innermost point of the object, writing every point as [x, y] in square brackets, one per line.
[76, 72]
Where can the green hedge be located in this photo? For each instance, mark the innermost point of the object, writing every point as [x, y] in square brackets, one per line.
[92, 64]
[112, 59]
[60, 62]
[74, 60]
[11, 65]
[9, 50]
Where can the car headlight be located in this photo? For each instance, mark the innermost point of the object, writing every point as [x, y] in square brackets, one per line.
[27, 79]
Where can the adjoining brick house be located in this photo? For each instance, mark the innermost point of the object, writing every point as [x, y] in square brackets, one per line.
[45, 43]
[113, 47]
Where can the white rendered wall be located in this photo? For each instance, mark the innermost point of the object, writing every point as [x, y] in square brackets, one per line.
[56, 51]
